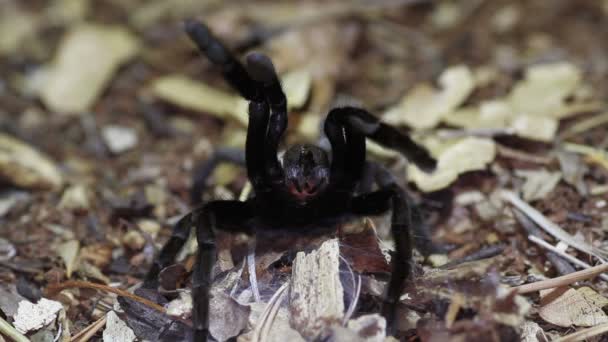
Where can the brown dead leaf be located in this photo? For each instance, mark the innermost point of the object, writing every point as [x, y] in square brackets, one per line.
[424, 107]
[85, 62]
[566, 307]
[26, 167]
[68, 251]
[465, 155]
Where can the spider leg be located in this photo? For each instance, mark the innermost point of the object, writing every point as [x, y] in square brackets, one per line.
[255, 91]
[206, 168]
[233, 71]
[347, 152]
[375, 203]
[167, 254]
[262, 70]
[385, 135]
[379, 174]
[223, 215]
[227, 216]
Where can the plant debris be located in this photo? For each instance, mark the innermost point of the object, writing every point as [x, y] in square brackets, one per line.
[106, 111]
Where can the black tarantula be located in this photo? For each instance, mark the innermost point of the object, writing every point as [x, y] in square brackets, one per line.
[306, 188]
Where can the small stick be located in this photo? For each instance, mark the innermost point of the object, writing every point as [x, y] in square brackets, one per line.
[56, 288]
[484, 253]
[88, 332]
[253, 278]
[9, 331]
[585, 334]
[563, 280]
[562, 266]
[268, 314]
[552, 228]
[564, 255]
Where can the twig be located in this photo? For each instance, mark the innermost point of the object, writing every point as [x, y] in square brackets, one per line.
[551, 228]
[585, 334]
[263, 323]
[511, 153]
[562, 266]
[563, 280]
[595, 155]
[564, 255]
[585, 125]
[53, 289]
[357, 288]
[88, 332]
[253, 278]
[484, 253]
[9, 331]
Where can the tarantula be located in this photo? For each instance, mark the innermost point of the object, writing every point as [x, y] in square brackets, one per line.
[307, 187]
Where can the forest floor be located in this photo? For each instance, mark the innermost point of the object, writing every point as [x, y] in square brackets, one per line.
[106, 109]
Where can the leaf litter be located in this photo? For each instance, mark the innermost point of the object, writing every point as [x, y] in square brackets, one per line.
[518, 127]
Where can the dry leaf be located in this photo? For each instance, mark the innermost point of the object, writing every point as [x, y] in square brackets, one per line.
[75, 197]
[424, 107]
[545, 89]
[15, 26]
[533, 108]
[87, 58]
[566, 307]
[535, 127]
[538, 183]
[25, 167]
[465, 155]
[532, 332]
[199, 96]
[68, 251]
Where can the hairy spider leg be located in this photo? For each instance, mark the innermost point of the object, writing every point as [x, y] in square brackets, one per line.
[237, 76]
[229, 216]
[166, 257]
[262, 70]
[375, 173]
[346, 129]
[377, 202]
[203, 170]
[233, 71]
[347, 152]
[387, 136]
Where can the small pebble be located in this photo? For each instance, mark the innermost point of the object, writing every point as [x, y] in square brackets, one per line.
[119, 138]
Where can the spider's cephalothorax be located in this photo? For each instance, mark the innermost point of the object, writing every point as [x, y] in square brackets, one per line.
[307, 187]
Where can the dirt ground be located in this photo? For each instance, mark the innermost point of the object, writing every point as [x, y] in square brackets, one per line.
[106, 109]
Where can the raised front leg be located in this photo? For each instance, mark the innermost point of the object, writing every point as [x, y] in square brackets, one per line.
[234, 72]
[261, 69]
[251, 89]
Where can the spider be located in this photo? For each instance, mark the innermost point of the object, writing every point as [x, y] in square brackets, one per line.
[307, 187]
